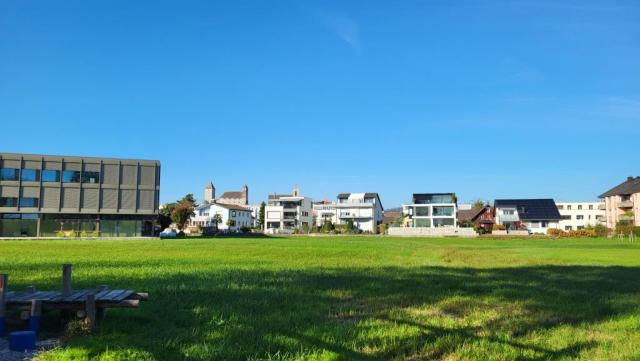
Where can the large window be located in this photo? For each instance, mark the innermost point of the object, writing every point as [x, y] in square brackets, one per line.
[16, 225]
[421, 211]
[8, 202]
[422, 222]
[29, 202]
[70, 176]
[8, 174]
[30, 175]
[49, 175]
[442, 211]
[90, 177]
[443, 222]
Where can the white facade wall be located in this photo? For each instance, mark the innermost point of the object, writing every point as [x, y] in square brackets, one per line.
[365, 216]
[278, 217]
[428, 219]
[204, 217]
[507, 215]
[578, 215]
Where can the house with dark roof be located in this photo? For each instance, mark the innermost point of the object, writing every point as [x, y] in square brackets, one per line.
[534, 215]
[364, 210]
[622, 202]
[480, 218]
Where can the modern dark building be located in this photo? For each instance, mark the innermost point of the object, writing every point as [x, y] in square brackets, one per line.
[48, 196]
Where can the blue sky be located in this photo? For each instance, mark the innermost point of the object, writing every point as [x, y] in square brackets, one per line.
[490, 99]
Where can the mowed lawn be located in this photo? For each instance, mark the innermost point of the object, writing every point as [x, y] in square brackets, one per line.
[356, 298]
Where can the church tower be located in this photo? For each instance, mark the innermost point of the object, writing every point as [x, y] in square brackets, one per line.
[209, 193]
[245, 191]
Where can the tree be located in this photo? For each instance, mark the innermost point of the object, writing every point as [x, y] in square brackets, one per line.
[181, 214]
[477, 204]
[190, 199]
[261, 215]
[217, 219]
[164, 216]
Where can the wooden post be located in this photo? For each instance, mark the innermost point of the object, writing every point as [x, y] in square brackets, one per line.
[4, 282]
[36, 312]
[66, 278]
[101, 311]
[90, 309]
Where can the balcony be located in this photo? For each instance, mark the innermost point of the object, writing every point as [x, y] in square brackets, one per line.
[625, 204]
[508, 217]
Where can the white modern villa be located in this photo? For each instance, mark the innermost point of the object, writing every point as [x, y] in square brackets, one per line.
[532, 215]
[578, 215]
[363, 209]
[431, 210]
[287, 212]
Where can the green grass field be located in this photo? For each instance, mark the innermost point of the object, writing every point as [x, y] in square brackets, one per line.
[358, 298]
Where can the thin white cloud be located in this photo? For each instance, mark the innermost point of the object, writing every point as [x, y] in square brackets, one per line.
[345, 27]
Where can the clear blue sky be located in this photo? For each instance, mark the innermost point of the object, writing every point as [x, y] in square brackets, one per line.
[499, 99]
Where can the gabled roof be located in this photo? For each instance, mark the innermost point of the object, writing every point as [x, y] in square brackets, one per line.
[630, 186]
[471, 214]
[531, 209]
[233, 207]
[232, 195]
[209, 186]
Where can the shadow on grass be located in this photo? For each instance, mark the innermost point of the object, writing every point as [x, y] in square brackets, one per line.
[368, 314]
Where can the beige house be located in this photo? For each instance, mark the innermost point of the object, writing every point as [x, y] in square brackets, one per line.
[622, 202]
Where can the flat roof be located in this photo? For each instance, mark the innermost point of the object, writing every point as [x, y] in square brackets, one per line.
[29, 156]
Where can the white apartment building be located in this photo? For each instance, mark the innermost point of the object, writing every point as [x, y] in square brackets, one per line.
[286, 212]
[578, 215]
[204, 216]
[363, 209]
[431, 210]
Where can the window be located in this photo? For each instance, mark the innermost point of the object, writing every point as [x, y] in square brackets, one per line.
[422, 211]
[442, 211]
[580, 227]
[9, 174]
[561, 207]
[29, 202]
[568, 228]
[569, 207]
[565, 217]
[509, 212]
[90, 177]
[8, 202]
[70, 176]
[49, 175]
[579, 206]
[579, 217]
[544, 224]
[233, 213]
[590, 207]
[30, 175]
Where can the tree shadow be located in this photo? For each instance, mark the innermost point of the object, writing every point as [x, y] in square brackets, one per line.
[366, 313]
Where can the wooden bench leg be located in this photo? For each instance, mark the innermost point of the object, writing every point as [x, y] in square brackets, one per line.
[90, 309]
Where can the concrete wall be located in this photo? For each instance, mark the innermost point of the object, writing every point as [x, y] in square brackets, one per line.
[432, 232]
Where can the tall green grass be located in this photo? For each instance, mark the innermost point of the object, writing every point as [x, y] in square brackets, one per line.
[359, 298]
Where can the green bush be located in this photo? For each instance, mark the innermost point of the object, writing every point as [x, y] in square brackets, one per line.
[60, 234]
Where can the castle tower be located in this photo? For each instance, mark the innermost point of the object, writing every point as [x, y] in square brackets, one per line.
[209, 193]
[245, 190]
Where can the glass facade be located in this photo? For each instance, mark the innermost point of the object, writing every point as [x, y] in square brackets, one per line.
[29, 202]
[8, 174]
[421, 211]
[442, 222]
[90, 177]
[433, 198]
[50, 175]
[18, 225]
[422, 222]
[8, 202]
[443, 211]
[30, 175]
[74, 225]
[70, 176]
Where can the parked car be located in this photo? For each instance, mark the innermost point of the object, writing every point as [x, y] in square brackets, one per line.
[168, 233]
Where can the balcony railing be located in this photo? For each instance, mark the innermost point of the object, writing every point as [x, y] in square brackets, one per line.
[508, 217]
[625, 204]
[625, 218]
